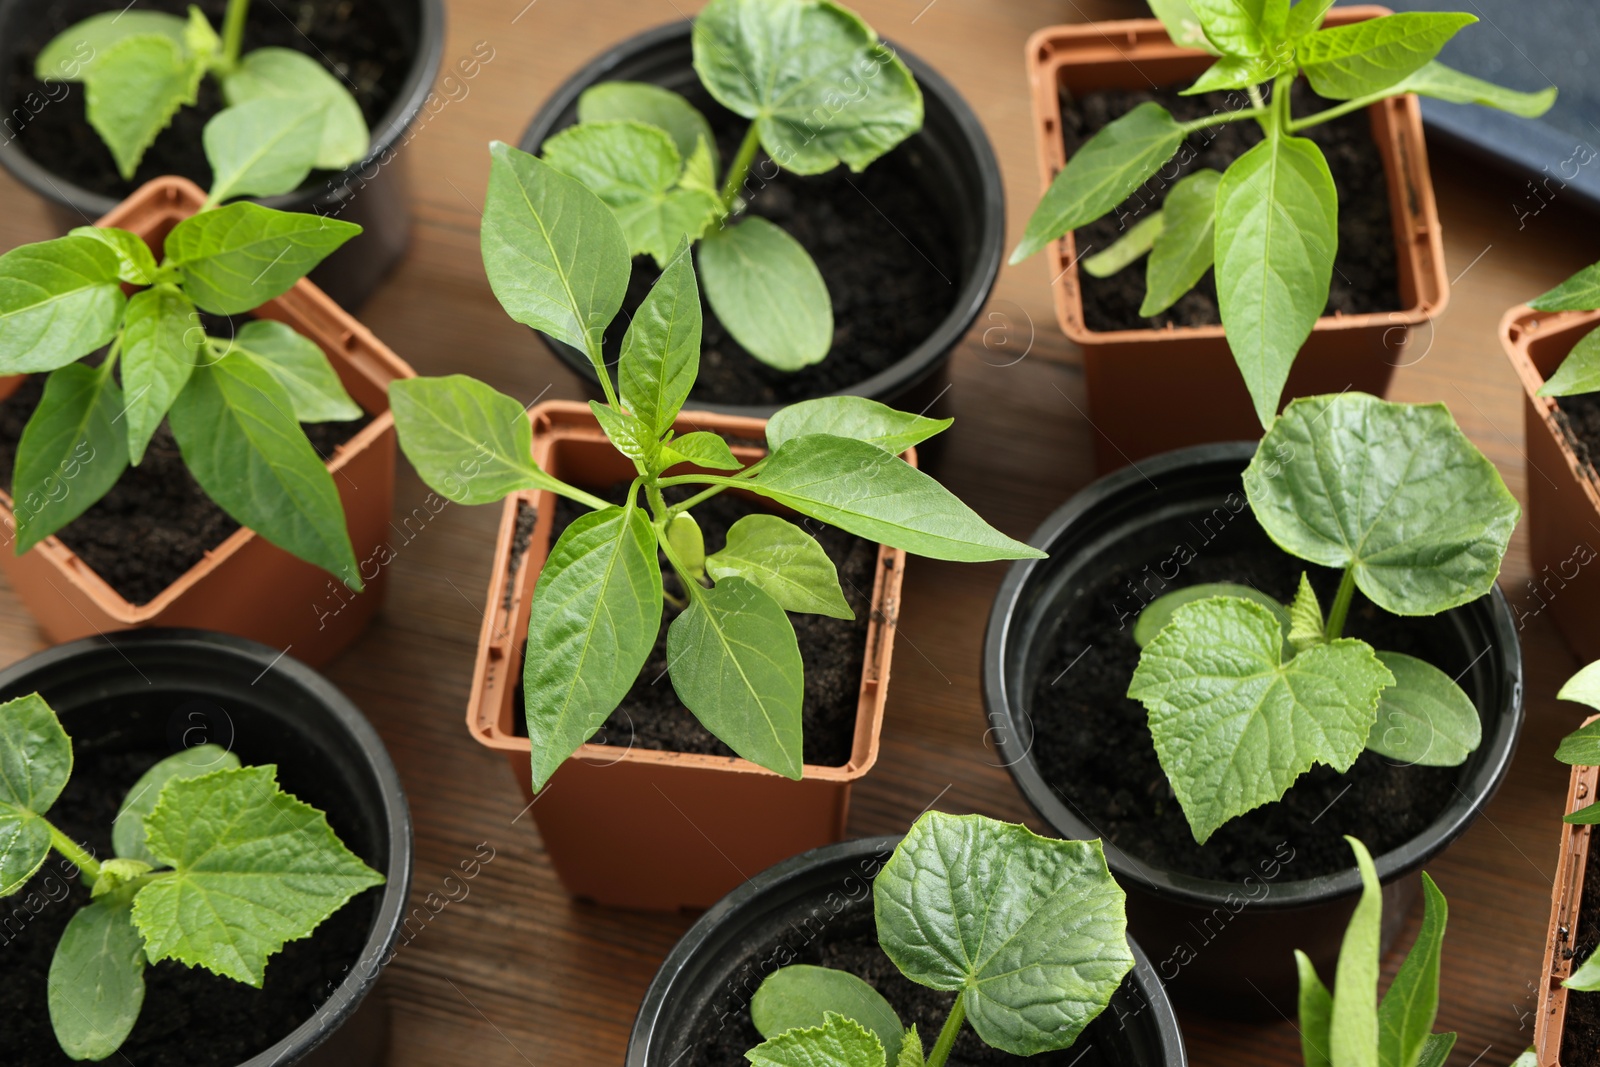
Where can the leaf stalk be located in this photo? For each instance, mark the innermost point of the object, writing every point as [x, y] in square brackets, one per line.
[76, 855]
[1341, 605]
[232, 34]
[740, 169]
[951, 1029]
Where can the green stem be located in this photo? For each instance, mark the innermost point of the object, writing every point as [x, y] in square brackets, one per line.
[233, 34]
[1341, 605]
[706, 494]
[1206, 121]
[573, 493]
[740, 170]
[947, 1036]
[1317, 119]
[111, 356]
[1280, 103]
[77, 856]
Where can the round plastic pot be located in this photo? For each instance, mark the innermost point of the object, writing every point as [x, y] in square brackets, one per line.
[372, 193]
[171, 689]
[789, 905]
[1224, 946]
[956, 165]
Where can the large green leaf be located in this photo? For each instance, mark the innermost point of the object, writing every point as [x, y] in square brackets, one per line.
[1183, 250]
[35, 763]
[854, 417]
[253, 868]
[127, 830]
[1406, 1014]
[235, 258]
[262, 147]
[1360, 58]
[301, 367]
[1444, 83]
[470, 443]
[75, 51]
[1580, 372]
[654, 106]
[801, 996]
[768, 293]
[736, 664]
[1158, 612]
[236, 428]
[1031, 930]
[1276, 233]
[838, 1042]
[133, 90]
[71, 453]
[59, 301]
[595, 615]
[1581, 292]
[1424, 718]
[814, 78]
[285, 74]
[1316, 1013]
[1242, 27]
[162, 343]
[96, 984]
[135, 262]
[1234, 723]
[1353, 1025]
[661, 350]
[1394, 491]
[1101, 174]
[785, 562]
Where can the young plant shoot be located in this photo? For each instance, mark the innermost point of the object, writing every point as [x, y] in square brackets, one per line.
[1579, 373]
[1029, 933]
[214, 867]
[558, 260]
[234, 402]
[139, 67]
[1269, 223]
[1244, 694]
[818, 87]
[1351, 1027]
[1581, 748]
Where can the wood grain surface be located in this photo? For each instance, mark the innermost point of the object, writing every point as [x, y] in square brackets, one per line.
[517, 973]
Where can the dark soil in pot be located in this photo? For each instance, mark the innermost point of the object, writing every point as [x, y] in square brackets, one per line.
[1580, 418]
[1580, 1036]
[834, 650]
[1365, 275]
[363, 44]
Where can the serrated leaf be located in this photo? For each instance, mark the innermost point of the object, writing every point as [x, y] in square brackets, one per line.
[470, 443]
[1306, 625]
[135, 263]
[910, 1050]
[1579, 373]
[1181, 24]
[163, 341]
[283, 73]
[1408, 1008]
[1183, 249]
[703, 449]
[1424, 719]
[233, 259]
[1365, 57]
[854, 417]
[72, 451]
[1030, 929]
[1581, 292]
[262, 147]
[127, 830]
[74, 52]
[115, 875]
[253, 868]
[200, 39]
[767, 291]
[1394, 491]
[628, 433]
[661, 350]
[1234, 724]
[133, 90]
[35, 763]
[1316, 1012]
[1583, 687]
[653, 105]
[1242, 27]
[59, 301]
[1134, 242]
[96, 983]
[785, 562]
[1158, 612]
[1444, 83]
[301, 367]
[683, 534]
[1586, 978]
[800, 997]
[1353, 1024]
[838, 1042]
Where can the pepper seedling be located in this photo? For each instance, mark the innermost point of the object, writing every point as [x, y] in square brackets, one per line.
[1581, 748]
[139, 67]
[1029, 933]
[215, 867]
[1245, 695]
[1269, 223]
[818, 87]
[558, 261]
[1579, 373]
[234, 403]
[1350, 1027]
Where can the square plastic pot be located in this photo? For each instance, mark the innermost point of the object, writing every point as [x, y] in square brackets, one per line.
[1566, 897]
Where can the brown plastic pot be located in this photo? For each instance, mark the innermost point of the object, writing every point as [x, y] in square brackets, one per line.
[1566, 897]
[641, 828]
[245, 585]
[1563, 489]
[1153, 390]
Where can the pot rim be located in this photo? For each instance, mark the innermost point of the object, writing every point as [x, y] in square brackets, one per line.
[1519, 328]
[1499, 745]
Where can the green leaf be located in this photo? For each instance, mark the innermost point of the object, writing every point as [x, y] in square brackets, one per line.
[133, 90]
[684, 535]
[35, 763]
[629, 433]
[470, 443]
[1030, 929]
[1304, 17]
[1406, 1014]
[1240, 72]
[1316, 1012]
[301, 367]
[1243, 27]
[1583, 687]
[801, 997]
[1277, 230]
[1586, 979]
[1436, 1050]
[262, 147]
[838, 1042]
[59, 301]
[703, 449]
[1181, 24]
[1101, 174]
[1344, 62]
[854, 417]
[1234, 724]
[661, 350]
[135, 263]
[910, 1049]
[24, 846]
[1581, 292]
[1588, 816]
[768, 293]
[1183, 249]
[200, 40]
[253, 868]
[785, 562]
[233, 259]
[1353, 1025]
[162, 343]
[285, 74]
[1579, 372]
[595, 615]
[96, 985]
[1306, 626]
[115, 874]
[621, 101]
[237, 432]
[75, 51]
[1394, 491]
[556, 256]
[1134, 242]
[736, 664]
[813, 77]
[1444, 83]
[127, 831]
[71, 453]
[1529, 1057]
[1158, 612]
[1580, 748]
[1424, 718]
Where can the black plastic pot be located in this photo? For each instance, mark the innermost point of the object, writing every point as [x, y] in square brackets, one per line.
[171, 689]
[956, 164]
[792, 903]
[1215, 944]
[372, 193]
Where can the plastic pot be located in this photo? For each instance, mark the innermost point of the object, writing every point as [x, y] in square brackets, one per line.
[643, 828]
[1223, 946]
[373, 193]
[955, 163]
[1566, 898]
[1152, 390]
[245, 585]
[164, 690]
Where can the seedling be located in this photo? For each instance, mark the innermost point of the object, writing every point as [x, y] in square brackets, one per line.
[1579, 373]
[1244, 695]
[818, 87]
[1581, 748]
[234, 403]
[1269, 223]
[1350, 1026]
[214, 867]
[558, 261]
[139, 67]
[1027, 931]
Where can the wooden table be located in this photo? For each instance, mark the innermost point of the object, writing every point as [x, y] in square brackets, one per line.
[517, 973]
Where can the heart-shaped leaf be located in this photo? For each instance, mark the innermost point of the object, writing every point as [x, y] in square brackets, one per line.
[618, 101]
[768, 293]
[133, 90]
[1424, 718]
